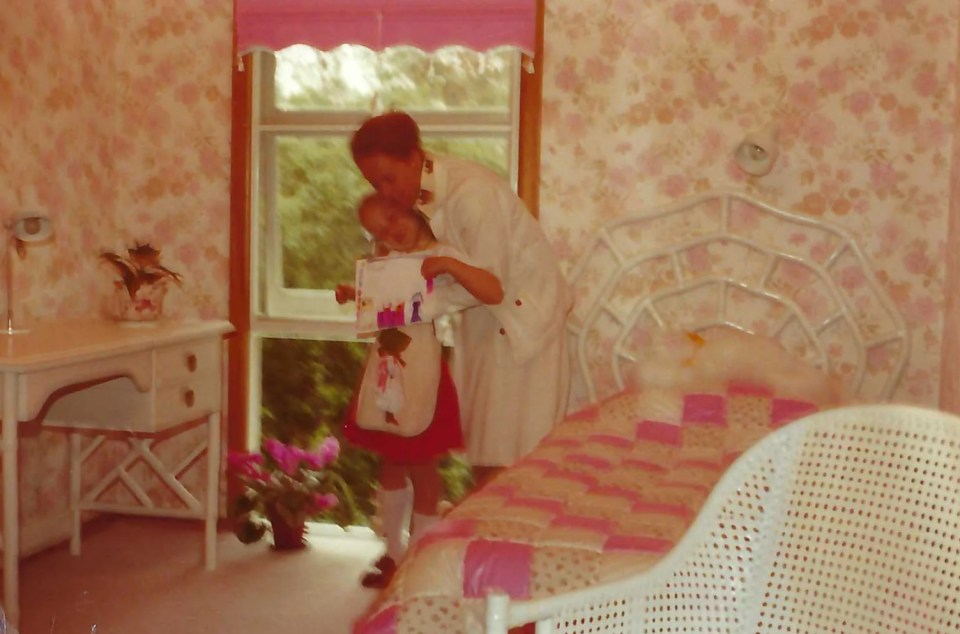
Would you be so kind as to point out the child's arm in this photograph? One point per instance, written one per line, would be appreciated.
(480, 283)
(345, 293)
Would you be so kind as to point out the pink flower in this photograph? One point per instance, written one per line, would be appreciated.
(323, 501)
(683, 12)
(287, 457)
(860, 102)
(675, 185)
(925, 82)
(883, 177)
(246, 465)
(567, 77)
(804, 95)
(598, 69)
(922, 310)
(325, 454)
(915, 260)
(819, 131)
(851, 278)
(752, 43)
(796, 274)
(932, 133)
(575, 124)
(832, 78)
(706, 86)
(698, 258)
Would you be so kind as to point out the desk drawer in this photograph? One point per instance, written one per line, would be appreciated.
(187, 361)
(177, 404)
(137, 366)
(118, 405)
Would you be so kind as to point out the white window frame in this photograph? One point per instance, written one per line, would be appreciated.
(314, 314)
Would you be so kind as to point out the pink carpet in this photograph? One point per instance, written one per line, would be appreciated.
(145, 576)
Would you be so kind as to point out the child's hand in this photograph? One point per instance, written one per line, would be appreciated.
(435, 265)
(345, 293)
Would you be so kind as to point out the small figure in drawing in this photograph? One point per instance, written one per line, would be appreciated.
(390, 346)
(415, 303)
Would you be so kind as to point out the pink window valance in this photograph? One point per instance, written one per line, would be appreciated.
(376, 24)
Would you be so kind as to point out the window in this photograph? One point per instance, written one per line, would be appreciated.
(305, 238)
(309, 102)
(304, 104)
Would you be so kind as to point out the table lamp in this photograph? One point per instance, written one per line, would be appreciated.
(25, 228)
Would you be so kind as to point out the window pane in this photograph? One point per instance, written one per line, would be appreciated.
(306, 387)
(318, 191)
(494, 153)
(354, 77)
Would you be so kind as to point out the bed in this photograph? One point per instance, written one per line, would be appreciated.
(699, 327)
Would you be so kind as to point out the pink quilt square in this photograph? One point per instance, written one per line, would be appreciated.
(784, 410)
(574, 476)
(705, 409)
(674, 510)
(447, 530)
(614, 491)
(611, 440)
(656, 431)
(597, 524)
(543, 504)
(644, 465)
(489, 565)
(591, 461)
(560, 441)
(588, 413)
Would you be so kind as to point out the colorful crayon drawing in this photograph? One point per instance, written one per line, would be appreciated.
(390, 292)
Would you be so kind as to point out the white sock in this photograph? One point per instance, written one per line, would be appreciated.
(421, 523)
(395, 518)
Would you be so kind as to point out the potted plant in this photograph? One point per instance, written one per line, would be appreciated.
(283, 487)
(142, 284)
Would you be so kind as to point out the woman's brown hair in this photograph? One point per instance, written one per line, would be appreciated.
(395, 134)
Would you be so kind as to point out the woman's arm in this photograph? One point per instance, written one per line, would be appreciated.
(480, 283)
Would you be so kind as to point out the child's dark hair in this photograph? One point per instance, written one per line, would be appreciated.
(395, 134)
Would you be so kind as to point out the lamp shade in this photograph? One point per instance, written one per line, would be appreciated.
(31, 227)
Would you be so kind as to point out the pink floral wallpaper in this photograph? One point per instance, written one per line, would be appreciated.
(645, 100)
(116, 122)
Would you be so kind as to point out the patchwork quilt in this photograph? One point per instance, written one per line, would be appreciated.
(603, 497)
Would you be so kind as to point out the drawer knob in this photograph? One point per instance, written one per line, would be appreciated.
(189, 397)
(192, 362)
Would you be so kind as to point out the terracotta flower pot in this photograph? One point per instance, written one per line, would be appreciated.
(285, 536)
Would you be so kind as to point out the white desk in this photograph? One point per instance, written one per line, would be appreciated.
(96, 377)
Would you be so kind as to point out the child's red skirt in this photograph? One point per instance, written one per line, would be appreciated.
(442, 436)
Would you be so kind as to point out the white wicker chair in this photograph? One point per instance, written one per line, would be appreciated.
(847, 521)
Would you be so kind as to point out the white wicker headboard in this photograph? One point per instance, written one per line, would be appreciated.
(725, 260)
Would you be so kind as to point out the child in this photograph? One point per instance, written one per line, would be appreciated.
(406, 409)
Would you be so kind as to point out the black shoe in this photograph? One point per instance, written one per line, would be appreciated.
(385, 566)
